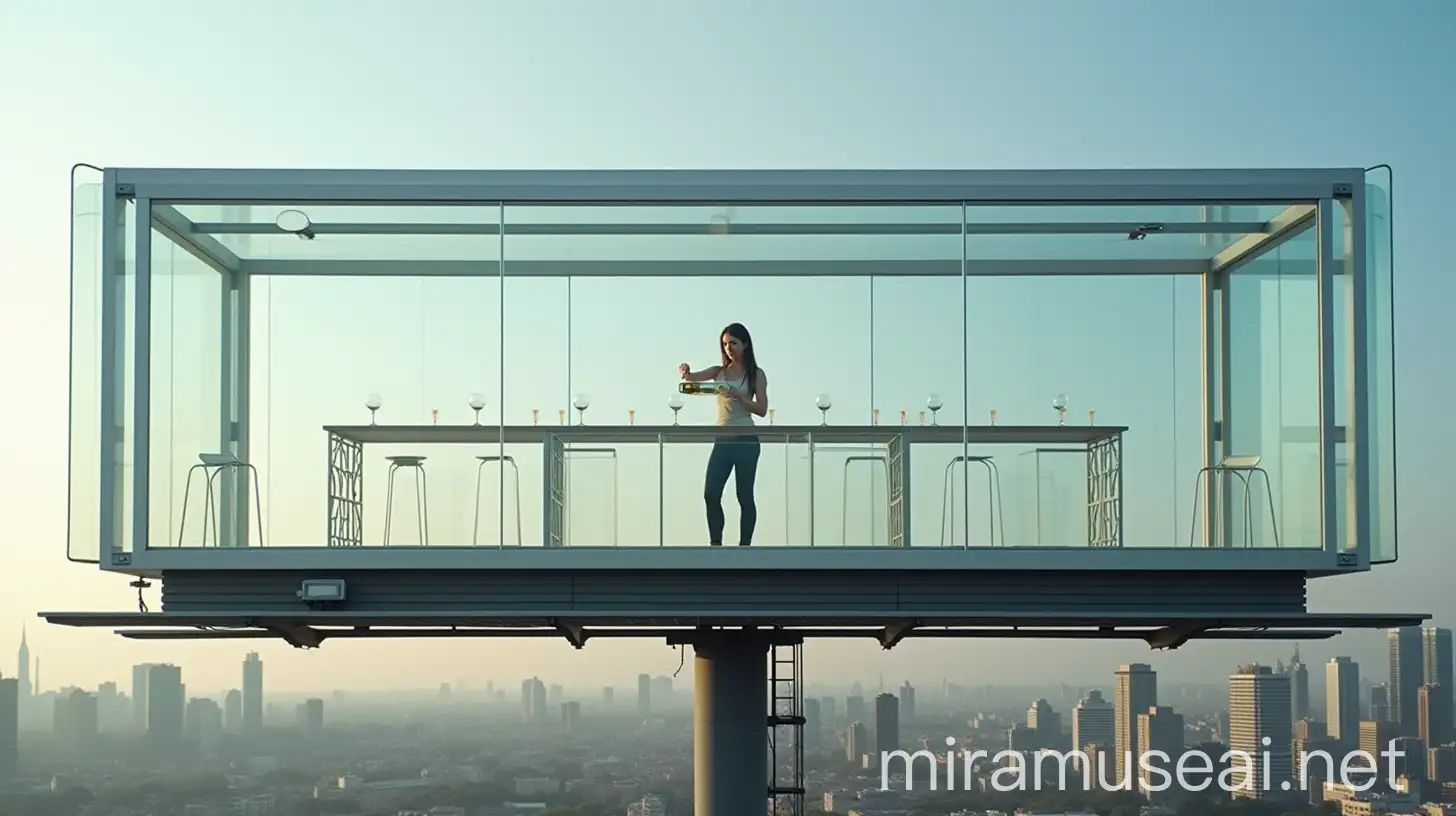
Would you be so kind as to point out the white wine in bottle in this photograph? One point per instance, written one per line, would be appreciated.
(701, 388)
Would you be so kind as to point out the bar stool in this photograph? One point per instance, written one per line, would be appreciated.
(417, 464)
(211, 464)
(479, 476)
(1242, 468)
(993, 500)
(844, 500)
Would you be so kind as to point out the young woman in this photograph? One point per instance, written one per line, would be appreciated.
(744, 396)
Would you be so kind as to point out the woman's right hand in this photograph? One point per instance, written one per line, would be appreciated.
(683, 371)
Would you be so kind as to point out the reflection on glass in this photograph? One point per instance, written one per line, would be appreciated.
(477, 402)
(373, 403)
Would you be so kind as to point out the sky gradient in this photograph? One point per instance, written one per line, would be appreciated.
(751, 85)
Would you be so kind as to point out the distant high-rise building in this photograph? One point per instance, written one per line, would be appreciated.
(608, 696)
(1342, 699)
(1298, 685)
(854, 708)
(1433, 714)
(887, 723)
(1259, 711)
(313, 718)
(1092, 722)
(644, 694)
(533, 700)
(1379, 703)
(165, 706)
(1407, 672)
(1160, 743)
(9, 727)
(1438, 671)
(252, 694)
(232, 712)
(1047, 723)
(22, 666)
(139, 675)
(571, 715)
(856, 741)
(202, 722)
(813, 723)
(1136, 692)
(77, 718)
(1376, 738)
(907, 702)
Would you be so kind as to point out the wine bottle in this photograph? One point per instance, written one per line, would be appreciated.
(700, 388)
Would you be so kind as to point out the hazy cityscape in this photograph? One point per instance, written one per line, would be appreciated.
(149, 745)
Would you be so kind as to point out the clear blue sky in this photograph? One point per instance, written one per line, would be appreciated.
(712, 85)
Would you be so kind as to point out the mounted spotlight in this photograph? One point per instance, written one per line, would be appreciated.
(296, 222)
(321, 593)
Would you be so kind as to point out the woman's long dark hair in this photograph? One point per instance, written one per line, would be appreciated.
(750, 360)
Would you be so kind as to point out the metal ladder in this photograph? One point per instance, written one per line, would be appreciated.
(786, 727)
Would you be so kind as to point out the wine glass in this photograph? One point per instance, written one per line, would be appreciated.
(675, 402)
(372, 402)
(581, 403)
(477, 402)
(770, 416)
(1060, 403)
(934, 403)
(824, 403)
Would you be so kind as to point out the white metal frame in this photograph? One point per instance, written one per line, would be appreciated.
(1311, 193)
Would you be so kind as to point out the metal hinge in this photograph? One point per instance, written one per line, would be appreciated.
(1344, 191)
(127, 190)
(1347, 559)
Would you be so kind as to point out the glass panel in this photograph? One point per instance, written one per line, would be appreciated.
(1123, 348)
(1274, 399)
(424, 341)
(83, 540)
(1380, 345)
(186, 373)
(632, 286)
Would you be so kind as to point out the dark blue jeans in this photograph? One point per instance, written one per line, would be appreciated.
(737, 455)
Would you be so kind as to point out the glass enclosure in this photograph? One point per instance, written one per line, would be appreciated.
(945, 375)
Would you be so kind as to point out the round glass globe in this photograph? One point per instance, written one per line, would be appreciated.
(477, 401)
(674, 402)
(372, 402)
(582, 402)
(1060, 402)
(824, 402)
(934, 402)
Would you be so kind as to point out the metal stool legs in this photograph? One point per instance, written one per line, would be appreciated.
(844, 521)
(479, 474)
(417, 464)
(211, 465)
(1243, 472)
(993, 500)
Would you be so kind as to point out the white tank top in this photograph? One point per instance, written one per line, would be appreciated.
(731, 412)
